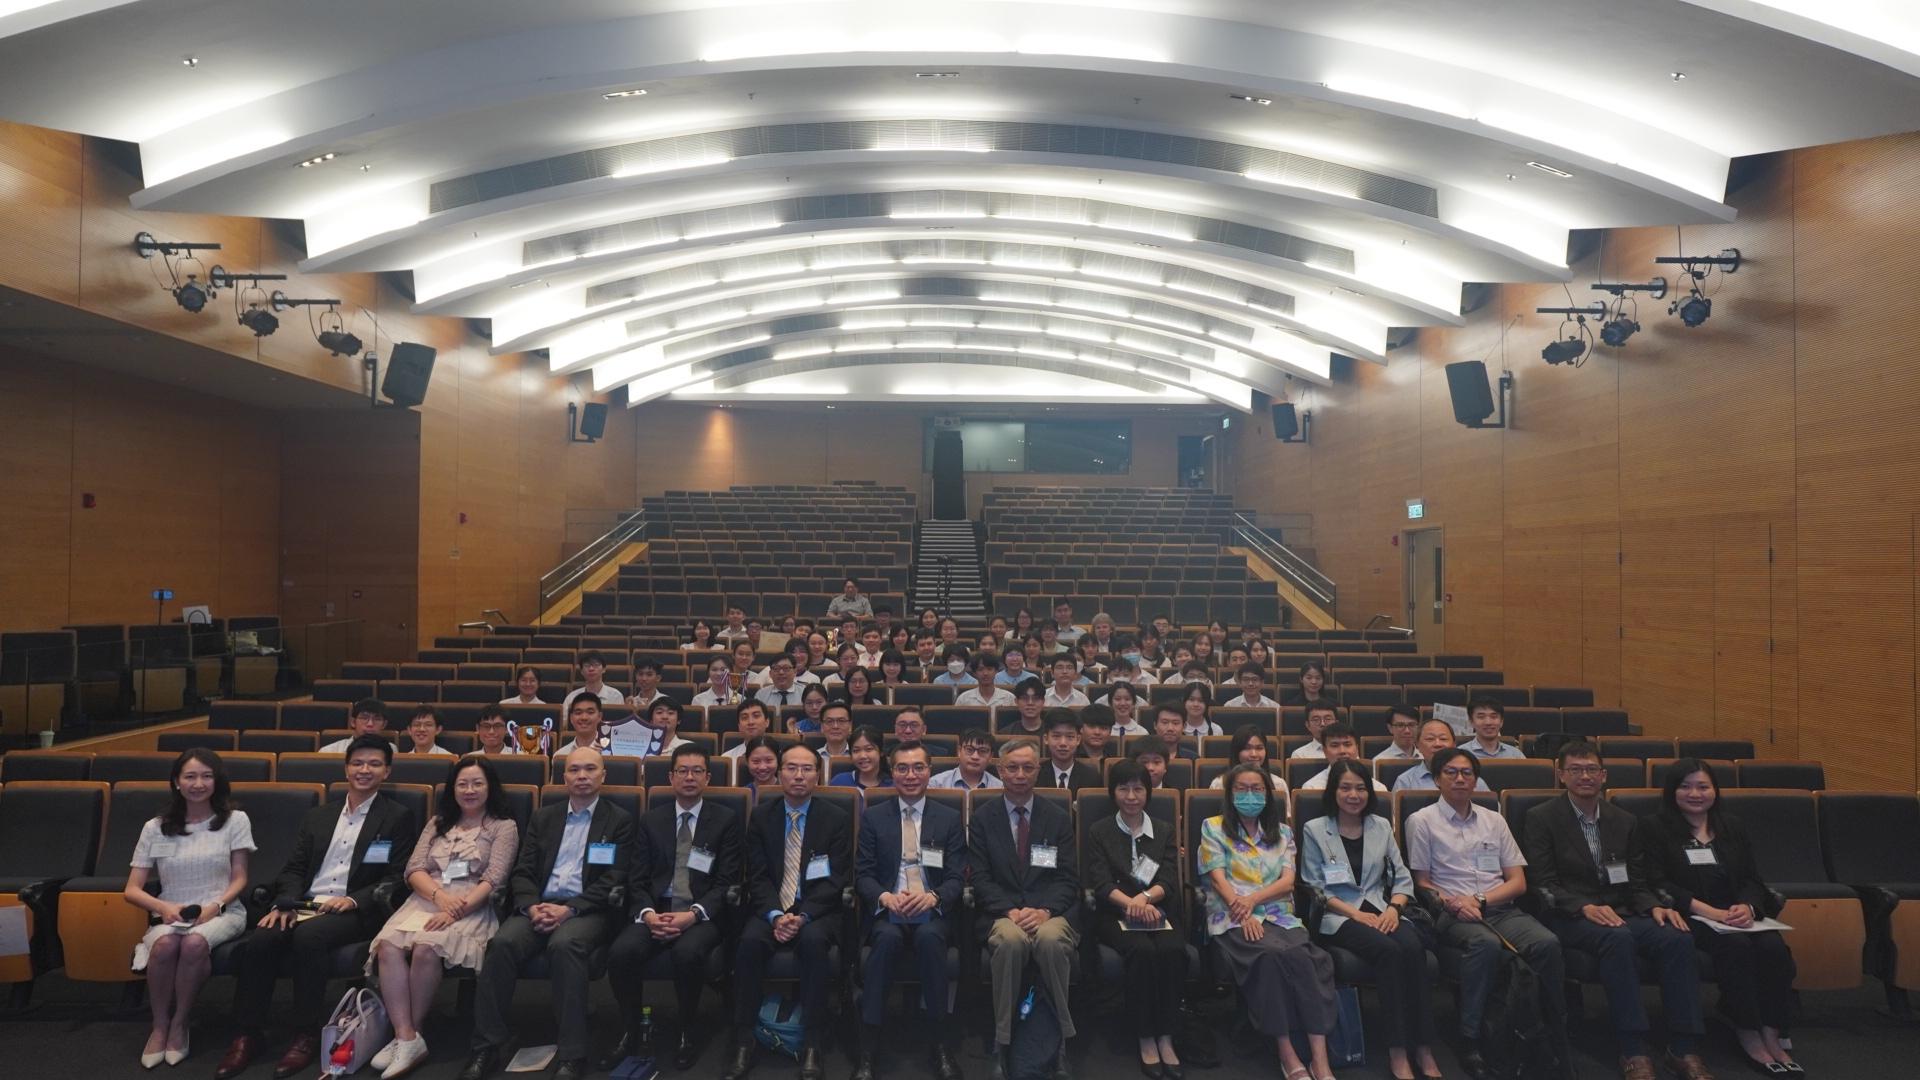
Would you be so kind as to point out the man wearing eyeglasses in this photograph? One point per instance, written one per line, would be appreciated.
(1465, 857)
(913, 856)
(686, 856)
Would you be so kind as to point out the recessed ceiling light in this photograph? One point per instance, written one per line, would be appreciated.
(321, 160)
(1250, 99)
(366, 168)
(936, 74)
(617, 94)
(1678, 76)
(1550, 170)
(1510, 176)
(190, 61)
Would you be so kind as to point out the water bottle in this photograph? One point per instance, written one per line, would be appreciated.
(645, 1049)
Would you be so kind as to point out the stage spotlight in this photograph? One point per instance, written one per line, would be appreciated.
(1564, 351)
(1617, 330)
(1695, 309)
(190, 295)
(259, 320)
(340, 343)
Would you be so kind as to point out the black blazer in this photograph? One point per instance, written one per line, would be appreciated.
(1666, 840)
(829, 832)
(1082, 775)
(1000, 882)
(656, 839)
(387, 820)
(1110, 863)
(540, 844)
(878, 863)
(1559, 861)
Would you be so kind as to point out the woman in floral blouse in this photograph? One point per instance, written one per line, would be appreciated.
(1247, 857)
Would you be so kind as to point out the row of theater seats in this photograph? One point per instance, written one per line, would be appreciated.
(307, 766)
(1842, 860)
(49, 677)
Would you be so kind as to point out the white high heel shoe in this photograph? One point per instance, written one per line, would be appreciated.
(175, 1057)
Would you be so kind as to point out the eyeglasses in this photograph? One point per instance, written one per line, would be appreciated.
(690, 770)
(913, 768)
(1585, 770)
(1457, 773)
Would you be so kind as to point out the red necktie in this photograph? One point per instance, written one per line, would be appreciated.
(1022, 836)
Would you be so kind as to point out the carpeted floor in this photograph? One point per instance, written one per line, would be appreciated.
(77, 1029)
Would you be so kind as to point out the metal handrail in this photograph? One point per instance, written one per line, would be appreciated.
(1294, 568)
(576, 567)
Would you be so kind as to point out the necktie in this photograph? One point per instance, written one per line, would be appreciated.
(790, 876)
(783, 697)
(1022, 836)
(1060, 777)
(910, 851)
(682, 877)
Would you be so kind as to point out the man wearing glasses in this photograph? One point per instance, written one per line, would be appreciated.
(799, 859)
(913, 856)
(1464, 856)
(686, 855)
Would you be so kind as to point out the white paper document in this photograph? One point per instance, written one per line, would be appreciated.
(1758, 925)
(532, 1059)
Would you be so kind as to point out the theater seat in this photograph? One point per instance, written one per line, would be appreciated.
(1828, 920)
(1803, 775)
(21, 765)
(49, 834)
(97, 927)
(1870, 843)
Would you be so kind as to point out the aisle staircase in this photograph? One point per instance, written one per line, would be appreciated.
(947, 556)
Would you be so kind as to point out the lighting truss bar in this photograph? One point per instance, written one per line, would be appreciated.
(1593, 311)
(1655, 289)
(1728, 260)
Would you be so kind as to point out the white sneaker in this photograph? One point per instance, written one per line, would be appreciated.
(385, 1057)
(406, 1056)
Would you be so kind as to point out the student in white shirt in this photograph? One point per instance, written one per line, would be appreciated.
(703, 639)
(1403, 723)
(1188, 670)
(743, 673)
(1064, 630)
(1341, 744)
(1487, 716)
(836, 725)
(752, 722)
(986, 689)
(367, 717)
(1130, 667)
(1196, 705)
(720, 689)
(646, 686)
(1013, 661)
(593, 668)
(1062, 695)
(736, 628)
(423, 733)
(1124, 700)
(1253, 680)
(782, 688)
(1249, 747)
(1320, 716)
(527, 682)
(490, 734)
(976, 750)
(584, 718)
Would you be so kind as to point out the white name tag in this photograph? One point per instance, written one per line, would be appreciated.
(1045, 856)
(1702, 856)
(624, 746)
(599, 854)
(1487, 861)
(700, 859)
(1616, 873)
(819, 868)
(933, 858)
(1144, 869)
(379, 852)
(455, 870)
(1338, 873)
(163, 849)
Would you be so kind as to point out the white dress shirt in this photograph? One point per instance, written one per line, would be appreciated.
(953, 779)
(337, 863)
(692, 827)
(972, 697)
(1054, 700)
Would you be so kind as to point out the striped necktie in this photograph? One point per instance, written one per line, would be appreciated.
(790, 876)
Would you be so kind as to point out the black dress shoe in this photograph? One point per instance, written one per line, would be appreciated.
(811, 1067)
(944, 1067)
(621, 1051)
(1172, 1072)
(1000, 1063)
(742, 1062)
(571, 1069)
(686, 1053)
(863, 1069)
(1150, 1070)
(1061, 1071)
(481, 1065)
(1473, 1064)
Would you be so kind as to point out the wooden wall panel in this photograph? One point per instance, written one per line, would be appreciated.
(1742, 621)
(36, 487)
(1600, 625)
(1857, 647)
(40, 199)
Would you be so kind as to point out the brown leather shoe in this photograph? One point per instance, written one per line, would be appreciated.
(1688, 1067)
(305, 1048)
(1637, 1068)
(240, 1054)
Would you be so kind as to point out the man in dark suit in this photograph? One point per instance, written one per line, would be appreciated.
(571, 857)
(1025, 882)
(1585, 856)
(1064, 767)
(799, 861)
(347, 848)
(912, 861)
(686, 857)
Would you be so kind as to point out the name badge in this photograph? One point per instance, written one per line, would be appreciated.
(1702, 856)
(1487, 861)
(932, 859)
(599, 854)
(1339, 873)
(379, 852)
(624, 746)
(1045, 856)
(1616, 873)
(1144, 869)
(700, 859)
(162, 849)
(454, 871)
(818, 868)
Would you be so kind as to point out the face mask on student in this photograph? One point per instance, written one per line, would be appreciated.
(1249, 803)
(1132, 657)
(956, 667)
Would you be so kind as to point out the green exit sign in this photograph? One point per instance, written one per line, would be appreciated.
(1416, 509)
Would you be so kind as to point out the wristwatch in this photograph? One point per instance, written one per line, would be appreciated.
(1480, 898)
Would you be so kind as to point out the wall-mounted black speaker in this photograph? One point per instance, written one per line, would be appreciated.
(1472, 398)
(408, 370)
(1286, 422)
(593, 419)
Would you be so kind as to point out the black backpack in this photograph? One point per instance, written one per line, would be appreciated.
(1521, 1041)
(1034, 1053)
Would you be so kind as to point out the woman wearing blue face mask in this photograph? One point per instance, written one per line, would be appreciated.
(1247, 858)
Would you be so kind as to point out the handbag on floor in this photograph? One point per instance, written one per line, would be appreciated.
(779, 1026)
(354, 1033)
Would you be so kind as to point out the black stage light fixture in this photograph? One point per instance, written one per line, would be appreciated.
(1571, 348)
(1564, 350)
(178, 256)
(1697, 306)
(259, 320)
(339, 342)
(1617, 330)
(190, 295)
(1695, 309)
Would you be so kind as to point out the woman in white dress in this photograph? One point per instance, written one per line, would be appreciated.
(199, 849)
(463, 858)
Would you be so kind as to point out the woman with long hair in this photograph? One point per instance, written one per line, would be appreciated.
(859, 688)
(526, 684)
(869, 761)
(1311, 687)
(1196, 707)
(1249, 747)
(463, 859)
(1134, 880)
(760, 757)
(198, 846)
